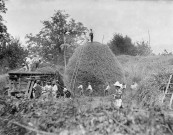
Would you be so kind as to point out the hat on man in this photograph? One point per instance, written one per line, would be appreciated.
(118, 84)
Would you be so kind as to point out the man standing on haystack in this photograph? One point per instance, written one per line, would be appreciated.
(91, 35)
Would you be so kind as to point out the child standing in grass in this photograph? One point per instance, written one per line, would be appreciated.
(47, 90)
(106, 91)
(90, 89)
(81, 90)
(118, 95)
(54, 89)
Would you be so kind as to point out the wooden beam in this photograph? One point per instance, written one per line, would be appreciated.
(27, 88)
(30, 89)
(19, 85)
(10, 87)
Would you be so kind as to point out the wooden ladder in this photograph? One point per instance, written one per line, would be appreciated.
(168, 93)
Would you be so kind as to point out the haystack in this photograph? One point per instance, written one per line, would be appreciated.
(94, 63)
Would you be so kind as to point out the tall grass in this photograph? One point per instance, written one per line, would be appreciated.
(150, 73)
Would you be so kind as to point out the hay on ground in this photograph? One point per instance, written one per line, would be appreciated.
(97, 64)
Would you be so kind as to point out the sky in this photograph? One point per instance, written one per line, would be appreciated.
(134, 18)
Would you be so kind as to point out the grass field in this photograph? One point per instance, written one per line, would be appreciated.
(97, 115)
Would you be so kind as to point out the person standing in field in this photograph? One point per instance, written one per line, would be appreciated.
(81, 90)
(67, 93)
(64, 91)
(118, 95)
(90, 89)
(37, 89)
(29, 63)
(47, 90)
(24, 67)
(54, 89)
(91, 35)
(106, 91)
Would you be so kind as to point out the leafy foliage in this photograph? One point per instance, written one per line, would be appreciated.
(53, 35)
(123, 45)
(12, 54)
(3, 28)
(79, 117)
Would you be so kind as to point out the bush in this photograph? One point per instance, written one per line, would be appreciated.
(97, 64)
(122, 45)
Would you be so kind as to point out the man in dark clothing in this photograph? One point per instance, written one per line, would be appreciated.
(91, 35)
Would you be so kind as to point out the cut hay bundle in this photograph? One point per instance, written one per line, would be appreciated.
(151, 90)
(94, 63)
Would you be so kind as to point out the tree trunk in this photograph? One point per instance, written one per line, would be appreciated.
(65, 56)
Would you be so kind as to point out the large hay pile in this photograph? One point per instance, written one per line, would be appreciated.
(94, 63)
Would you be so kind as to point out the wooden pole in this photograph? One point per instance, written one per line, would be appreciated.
(149, 37)
(102, 39)
(167, 88)
(30, 89)
(10, 88)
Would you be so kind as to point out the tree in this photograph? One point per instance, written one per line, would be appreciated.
(14, 54)
(122, 45)
(3, 28)
(143, 48)
(53, 35)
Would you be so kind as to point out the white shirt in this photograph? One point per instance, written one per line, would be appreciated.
(80, 86)
(134, 86)
(35, 59)
(108, 87)
(89, 87)
(35, 85)
(118, 102)
(48, 88)
(65, 89)
(54, 88)
(28, 60)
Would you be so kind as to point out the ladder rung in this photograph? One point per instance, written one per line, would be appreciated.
(167, 83)
(168, 93)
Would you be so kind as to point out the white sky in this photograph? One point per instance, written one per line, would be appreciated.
(105, 17)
